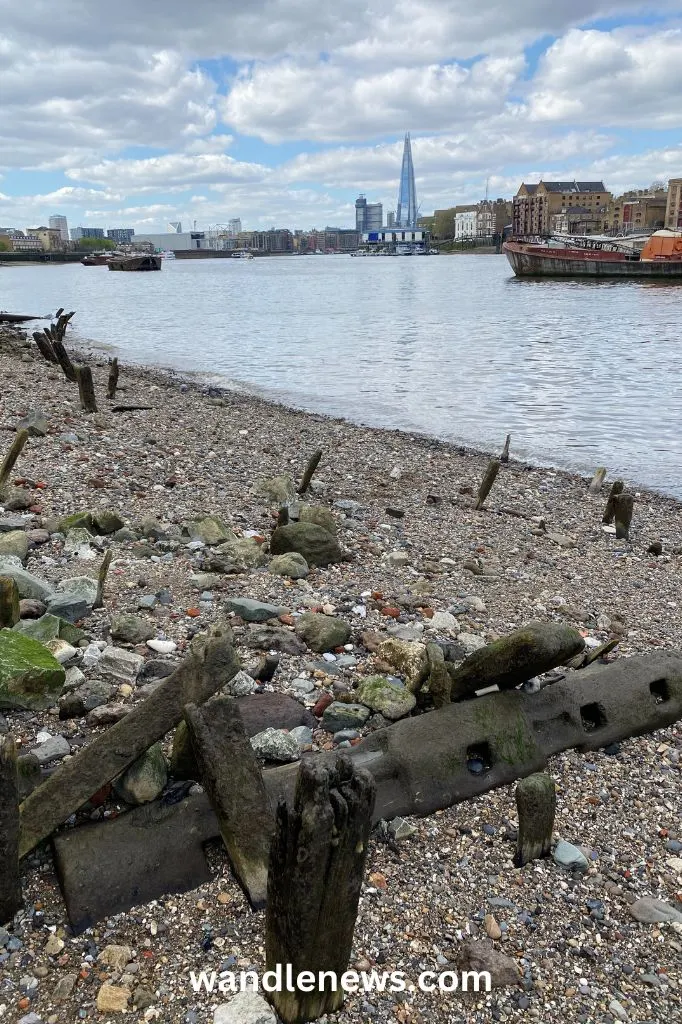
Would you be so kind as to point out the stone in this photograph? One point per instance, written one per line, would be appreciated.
(27, 584)
(30, 608)
(74, 598)
(399, 828)
(14, 544)
(492, 928)
(536, 804)
(408, 659)
(117, 663)
(107, 521)
(245, 1008)
(443, 622)
(318, 515)
(513, 659)
(35, 422)
(112, 998)
(340, 716)
(566, 855)
(143, 998)
(11, 523)
(303, 735)
(65, 987)
(78, 543)
(276, 745)
(274, 638)
(76, 520)
(438, 683)
(290, 564)
(322, 632)
(242, 553)
(210, 530)
(131, 629)
(398, 558)
(145, 779)
(54, 945)
(53, 749)
(652, 911)
(318, 547)
(30, 678)
(43, 629)
(480, 955)
(61, 650)
(470, 642)
(391, 700)
(241, 685)
(162, 646)
(253, 611)
(277, 489)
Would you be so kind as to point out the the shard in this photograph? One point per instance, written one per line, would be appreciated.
(406, 213)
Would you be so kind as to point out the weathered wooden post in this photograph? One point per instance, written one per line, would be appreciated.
(9, 603)
(64, 361)
(313, 463)
(623, 505)
(10, 884)
(504, 457)
(536, 804)
(112, 383)
(44, 346)
(617, 487)
(317, 863)
(102, 578)
(597, 481)
(15, 450)
(487, 482)
(86, 388)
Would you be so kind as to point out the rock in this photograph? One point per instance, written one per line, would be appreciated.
(210, 530)
(53, 749)
(76, 521)
(106, 714)
(245, 1008)
(398, 558)
(322, 632)
(381, 695)
(290, 564)
(14, 544)
(131, 629)
(34, 422)
(61, 650)
(438, 683)
(617, 1010)
(29, 608)
(566, 855)
(275, 745)
(253, 611)
(240, 685)
(116, 663)
(37, 536)
(303, 735)
(54, 945)
(405, 631)
(510, 661)
(242, 553)
(652, 911)
(145, 779)
(143, 998)
(340, 716)
(481, 955)
(64, 988)
(277, 489)
(443, 622)
(28, 585)
(408, 659)
(470, 642)
(320, 516)
(43, 629)
(107, 521)
(9, 524)
(492, 928)
(30, 678)
(162, 646)
(147, 602)
(74, 598)
(274, 638)
(400, 828)
(112, 998)
(318, 547)
(78, 543)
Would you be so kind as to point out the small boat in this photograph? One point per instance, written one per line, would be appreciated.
(360, 252)
(242, 254)
(168, 255)
(99, 259)
(598, 258)
(142, 262)
(18, 318)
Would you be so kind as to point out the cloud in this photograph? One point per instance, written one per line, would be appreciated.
(172, 170)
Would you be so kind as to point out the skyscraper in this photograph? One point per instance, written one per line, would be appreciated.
(58, 222)
(406, 213)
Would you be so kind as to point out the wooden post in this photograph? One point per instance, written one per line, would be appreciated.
(617, 487)
(504, 457)
(86, 388)
(65, 361)
(597, 481)
(44, 347)
(487, 482)
(112, 383)
(622, 509)
(101, 579)
(317, 863)
(9, 603)
(536, 805)
(313, 463)
(10, 885)
(15, 450)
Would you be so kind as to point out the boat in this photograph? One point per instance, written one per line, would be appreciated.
(242, 254)
(99, 259)
(168, 255)
(360, 252)
(598, 258)
(18, 318)
(142, 262)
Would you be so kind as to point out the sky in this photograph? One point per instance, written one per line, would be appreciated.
(281, 111)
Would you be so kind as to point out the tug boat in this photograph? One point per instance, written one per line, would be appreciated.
(597, 258)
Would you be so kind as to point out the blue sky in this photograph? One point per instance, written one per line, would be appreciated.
(280, 112)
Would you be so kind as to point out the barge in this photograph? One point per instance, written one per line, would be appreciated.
(594, 258)
(142, 262)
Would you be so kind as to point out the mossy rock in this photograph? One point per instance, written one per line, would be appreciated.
(389, 699)
(210, 530)
(322, 632)
(320, 516)
(107, 521)
(50, 627)
(277, 489)
(317, 545)
(78, 520)
(30, 678)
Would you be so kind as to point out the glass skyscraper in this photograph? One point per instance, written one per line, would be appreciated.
(406, 213)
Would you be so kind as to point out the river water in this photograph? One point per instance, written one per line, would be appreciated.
(580, 373)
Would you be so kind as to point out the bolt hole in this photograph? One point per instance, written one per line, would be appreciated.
(593, 717)
(659, 689)
(479, 758)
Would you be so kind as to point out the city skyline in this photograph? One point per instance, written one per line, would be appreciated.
(281, 114)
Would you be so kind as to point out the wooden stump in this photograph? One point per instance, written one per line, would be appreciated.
(623, 505)
(504, 457)
(64, 361)
(536, 804)
(597, 481)
(616, 488)
(15, 450)
(112, 383)
(102, 578)
(44, 347)
(317, 863)
(86, 388)
(9, 603)
(10, 885)
(232, 778)
(487, 482)
(313, 463)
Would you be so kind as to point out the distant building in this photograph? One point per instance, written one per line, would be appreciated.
(78, 233)
(174, 240)
(59, 223)
(465, 222)
(234, 226)
(123, 236)
(329, 240)
(50, 238)
(175, 226)
(492, 217)
(390, 219)
(535, 205)
(406, 211)
(368, 216)
(274, 240)
(637, 212)
(673, 211)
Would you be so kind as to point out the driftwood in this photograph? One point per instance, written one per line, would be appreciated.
(112, 382)
(130, 408)
(10, 885)
(536, 805)
(101, 579)
(487, 482)
(15, 450)
(313, 463)
(86, 388)
(597, 481)
(209, 667)
(316, 867)
(617, 487)
(623, 505)
(9, 603)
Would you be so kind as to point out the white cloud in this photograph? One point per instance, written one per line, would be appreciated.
(165, 172)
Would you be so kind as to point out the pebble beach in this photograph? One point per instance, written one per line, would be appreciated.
(419, 564)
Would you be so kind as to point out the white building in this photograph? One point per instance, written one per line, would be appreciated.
(234, 226)
(58, 222)
(465, 223)
(175, 240)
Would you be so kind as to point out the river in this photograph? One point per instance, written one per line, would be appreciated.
(580, 373)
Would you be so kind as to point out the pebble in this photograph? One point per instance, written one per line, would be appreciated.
(162, 646)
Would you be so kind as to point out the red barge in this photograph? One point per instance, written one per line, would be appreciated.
(660, 259)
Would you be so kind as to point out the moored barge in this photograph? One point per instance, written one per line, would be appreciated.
(142, 262)
(660, 259)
